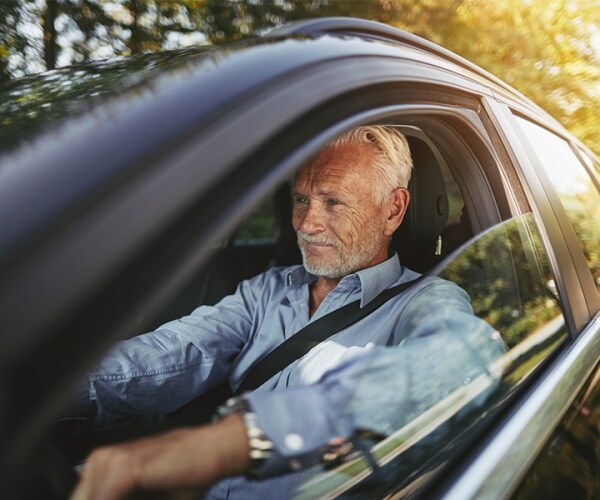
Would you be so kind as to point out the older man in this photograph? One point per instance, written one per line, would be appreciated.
(348, 201)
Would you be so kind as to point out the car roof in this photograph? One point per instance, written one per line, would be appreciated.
(375, 31)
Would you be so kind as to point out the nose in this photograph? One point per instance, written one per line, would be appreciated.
(310, 219)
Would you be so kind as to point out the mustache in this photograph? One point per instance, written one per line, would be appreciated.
(319, 240)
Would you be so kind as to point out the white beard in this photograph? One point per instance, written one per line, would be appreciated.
(343, 263)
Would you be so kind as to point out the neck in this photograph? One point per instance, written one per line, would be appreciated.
(319, 290)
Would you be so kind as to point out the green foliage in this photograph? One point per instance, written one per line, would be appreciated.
(548, 49)
(584, 212)
(11, 40)
(260, 227)
(507, 276)
(33, 103)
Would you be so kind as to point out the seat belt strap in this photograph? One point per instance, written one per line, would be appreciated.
(313, 334)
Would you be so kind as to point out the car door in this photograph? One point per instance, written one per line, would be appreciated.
(539, 297)
(158, 178)
(157, 217)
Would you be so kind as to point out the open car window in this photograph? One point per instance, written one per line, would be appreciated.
(506, 274)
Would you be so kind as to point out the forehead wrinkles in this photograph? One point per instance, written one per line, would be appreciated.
(348, 166)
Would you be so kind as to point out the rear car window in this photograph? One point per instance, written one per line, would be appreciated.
(574, 185)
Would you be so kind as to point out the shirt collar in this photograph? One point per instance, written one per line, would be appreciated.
(373, 280)
(376, 279)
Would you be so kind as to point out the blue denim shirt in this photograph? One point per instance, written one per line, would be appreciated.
(376, 374)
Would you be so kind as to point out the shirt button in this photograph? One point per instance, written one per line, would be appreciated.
(293, 441)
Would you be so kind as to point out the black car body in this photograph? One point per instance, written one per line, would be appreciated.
(126, 189)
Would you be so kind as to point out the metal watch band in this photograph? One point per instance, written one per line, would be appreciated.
(261, 447)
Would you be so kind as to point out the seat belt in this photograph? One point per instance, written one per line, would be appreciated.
(313, 334)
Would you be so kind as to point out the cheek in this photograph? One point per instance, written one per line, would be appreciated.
(295, 221)
(350, 227)
(298, 214)
(360, 225)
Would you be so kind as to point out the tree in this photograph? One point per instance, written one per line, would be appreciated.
(50, 35)
(11, 40)
(545, 48)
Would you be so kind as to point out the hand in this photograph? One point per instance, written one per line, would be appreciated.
(186, 459)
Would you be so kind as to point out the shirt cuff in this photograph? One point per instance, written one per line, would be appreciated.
(301, 421)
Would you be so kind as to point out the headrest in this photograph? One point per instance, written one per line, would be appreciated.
(427, 212)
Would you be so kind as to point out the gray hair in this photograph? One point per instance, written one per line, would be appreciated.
(394, 161)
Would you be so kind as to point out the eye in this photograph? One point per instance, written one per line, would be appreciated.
(301, 200)
(332, 201)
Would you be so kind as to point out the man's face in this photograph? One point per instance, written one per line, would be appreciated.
(341, 228)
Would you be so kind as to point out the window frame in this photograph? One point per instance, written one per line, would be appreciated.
(573, 278)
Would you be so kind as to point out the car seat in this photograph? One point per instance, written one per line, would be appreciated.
(418, 240)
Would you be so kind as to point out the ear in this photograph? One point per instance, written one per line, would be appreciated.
(397, 206)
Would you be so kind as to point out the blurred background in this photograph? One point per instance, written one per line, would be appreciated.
(547, 49)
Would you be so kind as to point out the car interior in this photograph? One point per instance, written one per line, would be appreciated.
(266, 238)
(435, 226)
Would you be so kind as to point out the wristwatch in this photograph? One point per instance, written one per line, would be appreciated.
(261, 447)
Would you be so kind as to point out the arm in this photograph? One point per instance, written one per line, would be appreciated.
(380, 390)
(160, 371)
(444, 347)
(179, 460)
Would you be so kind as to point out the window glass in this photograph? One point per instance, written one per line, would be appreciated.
(260, 227)
(507, 276)
(577, 192)
(593, 166)
(505, 273)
